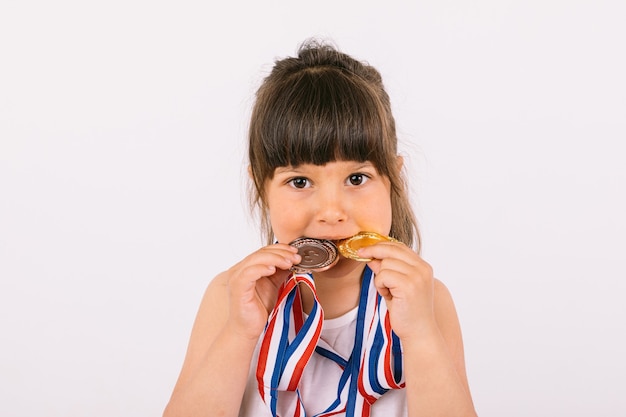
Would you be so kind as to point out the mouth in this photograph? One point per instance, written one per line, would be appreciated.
(321, 254)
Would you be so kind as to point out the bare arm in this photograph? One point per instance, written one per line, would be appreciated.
(230, 319)
(436, 380)
(216, 366)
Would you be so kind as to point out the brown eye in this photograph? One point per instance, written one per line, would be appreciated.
(357, 179)
(299, 182)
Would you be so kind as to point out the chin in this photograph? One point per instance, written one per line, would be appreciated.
(342, 269)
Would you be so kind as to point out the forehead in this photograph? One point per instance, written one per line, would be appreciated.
(320, 118)
(344, 165)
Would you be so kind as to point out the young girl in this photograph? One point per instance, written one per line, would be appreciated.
(371, 333)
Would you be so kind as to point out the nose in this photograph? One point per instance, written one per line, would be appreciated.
(330, 207)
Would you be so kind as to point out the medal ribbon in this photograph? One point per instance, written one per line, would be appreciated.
(289, 341)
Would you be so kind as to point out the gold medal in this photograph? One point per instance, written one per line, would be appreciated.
(350, 246)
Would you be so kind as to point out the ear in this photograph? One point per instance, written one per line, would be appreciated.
(399, 162)
(250, 172)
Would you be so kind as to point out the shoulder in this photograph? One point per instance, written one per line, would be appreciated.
(443, 298)
(445, 311)
(448, 323)
(210, 320)
(213, 309)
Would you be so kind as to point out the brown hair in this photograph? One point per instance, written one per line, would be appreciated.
(324, 106)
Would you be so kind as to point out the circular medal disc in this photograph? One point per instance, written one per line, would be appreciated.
(349, 247)
(317, 254)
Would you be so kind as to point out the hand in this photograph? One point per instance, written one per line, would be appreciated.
(406, 282)
(253, 287)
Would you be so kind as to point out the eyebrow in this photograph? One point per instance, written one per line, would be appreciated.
(281, 170)
(366, 164)
(296, 169)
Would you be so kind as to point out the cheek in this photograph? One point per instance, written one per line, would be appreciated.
(383, 212)
(375, 214)
(385, 216)
(284, 224)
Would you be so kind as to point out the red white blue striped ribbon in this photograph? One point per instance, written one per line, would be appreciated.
(289, 341)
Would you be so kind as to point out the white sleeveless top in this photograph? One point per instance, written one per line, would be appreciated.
(320, 379)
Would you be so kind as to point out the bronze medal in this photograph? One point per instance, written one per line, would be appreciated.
(317, 254)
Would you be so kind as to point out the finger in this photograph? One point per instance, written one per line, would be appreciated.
(276, 257)
(375, 265)
(280, 246)
(268, 289)
(403, 283)
(390, 280)
(265, 262)
(384, 292)
(278, 278)
(384, 250)
(288, 252)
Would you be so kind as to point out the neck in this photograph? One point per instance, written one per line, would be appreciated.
(337, 289)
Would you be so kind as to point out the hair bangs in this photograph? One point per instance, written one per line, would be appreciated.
(320, 117)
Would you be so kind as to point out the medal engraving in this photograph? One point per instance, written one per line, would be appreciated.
(317, 254)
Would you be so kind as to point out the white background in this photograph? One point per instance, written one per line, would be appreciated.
(122, 141)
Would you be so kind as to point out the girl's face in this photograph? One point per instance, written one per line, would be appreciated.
(332, 201)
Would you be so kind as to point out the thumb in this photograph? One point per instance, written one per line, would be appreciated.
(374, 265)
